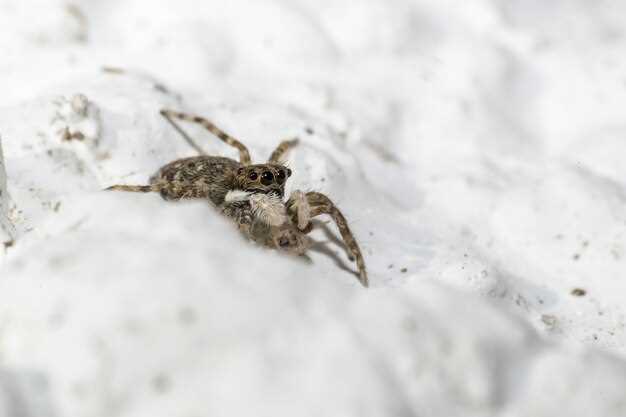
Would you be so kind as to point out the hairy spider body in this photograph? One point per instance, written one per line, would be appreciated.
(196, 177)
(249, 194)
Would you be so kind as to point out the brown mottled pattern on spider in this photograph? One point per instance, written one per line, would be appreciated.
(249, 194)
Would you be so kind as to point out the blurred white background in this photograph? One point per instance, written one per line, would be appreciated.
(476, 148)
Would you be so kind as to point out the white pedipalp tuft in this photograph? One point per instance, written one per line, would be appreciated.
(268, 208)
(237, 195)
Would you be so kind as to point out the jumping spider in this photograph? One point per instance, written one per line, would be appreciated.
(250, 194)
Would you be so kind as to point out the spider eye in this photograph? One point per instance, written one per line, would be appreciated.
(267, 178)
(253, 176)
(288, 172)
(281, 176)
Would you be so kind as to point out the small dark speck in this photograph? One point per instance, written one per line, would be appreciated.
(465, 255)
(323, 179)
(161, 383)
(57, 206)
(576, 256)
(8, 244)
(595, 337)
(187, 315)
(309, 130)
(578, 292)
(409, 324)
(371, 233)
(559, 237)
(161, 88)
(585, 243)
(112, 70)
(390, 266)
(404, 270)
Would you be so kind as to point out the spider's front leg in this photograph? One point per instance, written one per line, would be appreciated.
(300, 210)
(303, 207)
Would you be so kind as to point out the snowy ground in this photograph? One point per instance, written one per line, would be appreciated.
(477, 149)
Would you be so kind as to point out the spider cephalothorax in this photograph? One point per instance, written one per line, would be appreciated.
(262, 178)
(251, 195)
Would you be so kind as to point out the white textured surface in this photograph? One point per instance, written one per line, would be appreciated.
(6, 228)
(476, 147)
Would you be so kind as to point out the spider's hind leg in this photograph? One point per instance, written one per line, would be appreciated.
(170, 115)
(133, 188)
(167, 115)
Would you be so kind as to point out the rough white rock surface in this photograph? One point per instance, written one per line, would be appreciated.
(6, 227)
(477, 149)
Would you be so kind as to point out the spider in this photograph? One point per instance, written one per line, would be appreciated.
(252, 195)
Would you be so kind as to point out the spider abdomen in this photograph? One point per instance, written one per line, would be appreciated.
(196, 177)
